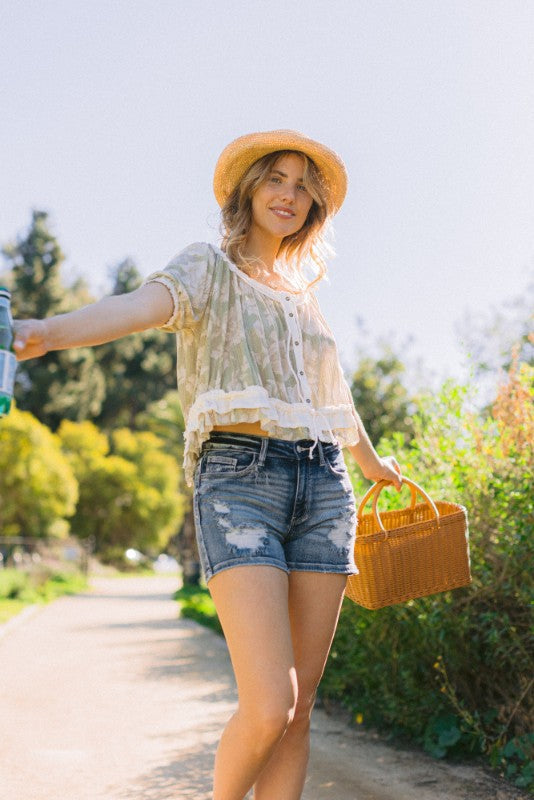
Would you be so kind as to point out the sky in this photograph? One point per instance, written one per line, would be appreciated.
(114, 114)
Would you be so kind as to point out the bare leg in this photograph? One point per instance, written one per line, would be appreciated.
(252, 604)
(314, 605)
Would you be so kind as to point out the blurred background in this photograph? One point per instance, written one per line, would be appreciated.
(114, 115)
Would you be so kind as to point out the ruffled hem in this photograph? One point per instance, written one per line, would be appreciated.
(282, 420)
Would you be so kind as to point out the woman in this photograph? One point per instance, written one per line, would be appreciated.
(267, 411)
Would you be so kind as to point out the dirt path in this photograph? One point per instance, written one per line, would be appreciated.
(109, 696)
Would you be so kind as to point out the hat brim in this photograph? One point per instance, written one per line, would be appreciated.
(240, 154)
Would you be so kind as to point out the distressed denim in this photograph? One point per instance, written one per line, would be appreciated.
(261, 500)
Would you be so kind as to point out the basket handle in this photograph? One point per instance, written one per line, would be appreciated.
(370, 491)
(375, 492)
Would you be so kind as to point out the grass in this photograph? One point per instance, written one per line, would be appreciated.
(196, 603)
(19, 589)
(10, 608)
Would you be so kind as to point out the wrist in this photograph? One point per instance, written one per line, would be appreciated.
(47, 334)
(365, 456)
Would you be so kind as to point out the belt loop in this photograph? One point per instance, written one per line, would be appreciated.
(321, 453)
(263, 451)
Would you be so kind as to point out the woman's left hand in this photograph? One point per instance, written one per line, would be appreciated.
(387, 469)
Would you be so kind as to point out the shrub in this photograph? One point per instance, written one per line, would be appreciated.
(37, 486)
(129, 496)
(38, 585)
(13, 584)
(196, 603)
(454, 671)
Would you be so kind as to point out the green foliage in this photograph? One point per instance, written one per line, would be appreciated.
(125, 277)
(128, 488)
(123, 490)
(13, 583)
(19, 588)
(378, 383)
(165, 418)
(110, 384)
(139, 369)
(63, 384)
(454, 671)
(442, 734)
(10, 608)
(196, 603)
(115, 556)
(60, 583)
(35, 260)
(516, 759)
(160, 473)
(37, 486)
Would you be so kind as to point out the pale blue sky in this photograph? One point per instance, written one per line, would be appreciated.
(114, 113)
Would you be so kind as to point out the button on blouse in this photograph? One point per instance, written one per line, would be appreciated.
(250, 353)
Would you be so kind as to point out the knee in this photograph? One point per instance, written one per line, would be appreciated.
(303, 710)
(268, 721)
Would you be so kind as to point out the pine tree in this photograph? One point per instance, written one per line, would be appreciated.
(65, 384)
(139, 369)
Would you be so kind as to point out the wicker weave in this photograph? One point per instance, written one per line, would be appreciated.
(408, 553)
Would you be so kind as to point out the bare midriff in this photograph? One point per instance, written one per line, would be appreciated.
(253, 428)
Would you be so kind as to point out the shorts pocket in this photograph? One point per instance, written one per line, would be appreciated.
(335, 462)
(217, 463)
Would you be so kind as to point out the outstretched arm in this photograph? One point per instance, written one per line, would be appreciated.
(150, 306)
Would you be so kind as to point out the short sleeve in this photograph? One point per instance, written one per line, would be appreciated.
(188, 277)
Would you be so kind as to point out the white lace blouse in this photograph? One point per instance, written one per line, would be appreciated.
(249, 353)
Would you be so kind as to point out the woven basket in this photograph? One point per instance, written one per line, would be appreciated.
(408, 553)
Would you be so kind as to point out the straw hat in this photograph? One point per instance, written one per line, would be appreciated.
(240, 154)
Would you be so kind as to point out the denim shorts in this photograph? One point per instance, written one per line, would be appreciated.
(261, 500)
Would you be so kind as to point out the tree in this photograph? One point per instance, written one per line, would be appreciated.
(139, 369)
(378, 385)
(125, 277)
(63, 384)
(35, 262)
(165, 418)
(128, 491)
(160, 473)
(379, 393)
(38, 489)
(110, 384)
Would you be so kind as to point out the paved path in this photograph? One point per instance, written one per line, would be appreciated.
(109, 696)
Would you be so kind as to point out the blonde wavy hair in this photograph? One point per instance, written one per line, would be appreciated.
(308, 247)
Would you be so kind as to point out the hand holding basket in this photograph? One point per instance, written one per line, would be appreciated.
(410, 552)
